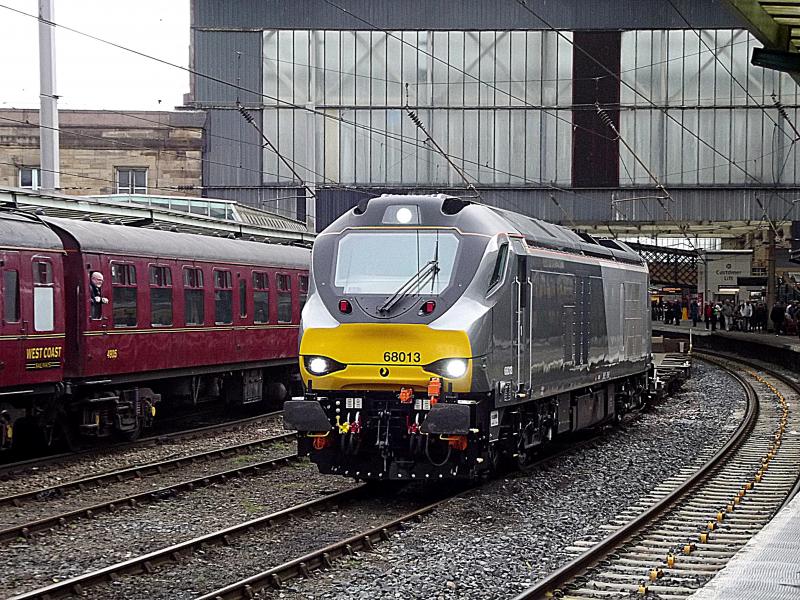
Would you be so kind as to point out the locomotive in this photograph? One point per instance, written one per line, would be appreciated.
(443, 337)
(179, 318)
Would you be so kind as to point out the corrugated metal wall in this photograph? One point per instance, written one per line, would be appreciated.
(459, 14)
(276, 52)
(232, 57)
(591, 206)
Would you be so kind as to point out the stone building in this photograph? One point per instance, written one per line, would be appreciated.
(108, 152)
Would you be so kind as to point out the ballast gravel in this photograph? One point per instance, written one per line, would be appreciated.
(497, 540)
(109, 538)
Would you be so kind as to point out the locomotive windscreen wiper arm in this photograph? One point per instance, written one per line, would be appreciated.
(426, 273)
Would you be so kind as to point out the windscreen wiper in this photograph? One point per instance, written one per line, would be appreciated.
(427, 273)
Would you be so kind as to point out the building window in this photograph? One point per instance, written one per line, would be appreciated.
(160, 296)
(193, 297)
(11, 296)
(260, 298)
(223, 298)
(43, 299)
(29, 178)
(131, 181)
(284, 285)
(123, 282)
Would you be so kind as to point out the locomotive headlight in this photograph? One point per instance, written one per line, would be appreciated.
(322, 365)
(452, 368)
(455, 367)
(318, 365)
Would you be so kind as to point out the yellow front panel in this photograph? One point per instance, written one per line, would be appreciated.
(384, 356)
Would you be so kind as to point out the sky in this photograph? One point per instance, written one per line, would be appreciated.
(89, 73)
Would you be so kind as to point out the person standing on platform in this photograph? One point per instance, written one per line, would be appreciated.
(777, 315)
(727, 314)
(694, 312)
(707, 314)
(747, 315)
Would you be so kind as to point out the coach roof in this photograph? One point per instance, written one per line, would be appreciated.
(25, 231)
(132, 241)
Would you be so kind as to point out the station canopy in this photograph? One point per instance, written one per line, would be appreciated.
(205, 216)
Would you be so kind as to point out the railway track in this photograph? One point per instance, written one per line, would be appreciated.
(301, 565)
(139, 471)
(689, 532)
(11, 469)
(151, 495)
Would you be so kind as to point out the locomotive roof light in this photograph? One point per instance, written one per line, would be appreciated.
(404, 214)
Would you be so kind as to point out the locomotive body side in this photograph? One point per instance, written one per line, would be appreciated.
(435, 344)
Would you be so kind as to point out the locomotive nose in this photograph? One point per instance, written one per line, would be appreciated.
(384, 356)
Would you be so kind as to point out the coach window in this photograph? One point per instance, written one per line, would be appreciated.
(284, 285)
(243, 297)
(160, 296)
(260, 298)
(43, 303)
(123, 285)
(193, 297)
(11, 296)
(303, 284)
(223, 298)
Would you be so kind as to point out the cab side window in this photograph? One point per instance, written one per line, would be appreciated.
(123, 284)
(499, 266)
(43, 296)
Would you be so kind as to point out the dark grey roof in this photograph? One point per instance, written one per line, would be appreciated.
(121, 239)
(17, 231)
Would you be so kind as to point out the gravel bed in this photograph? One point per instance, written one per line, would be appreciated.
(87, 545)
(81, 466)
(496, 541)
(77, 499)
(221, 565)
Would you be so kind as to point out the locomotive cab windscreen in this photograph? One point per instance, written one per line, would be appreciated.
(385, 270)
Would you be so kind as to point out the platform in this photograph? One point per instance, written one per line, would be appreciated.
(767, 567)
(781, 350)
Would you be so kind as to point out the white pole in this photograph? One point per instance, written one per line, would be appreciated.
(48, 113)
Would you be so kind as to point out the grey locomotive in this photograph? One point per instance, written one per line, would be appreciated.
(442, 336)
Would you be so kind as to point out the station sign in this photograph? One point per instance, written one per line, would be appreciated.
(722, 269)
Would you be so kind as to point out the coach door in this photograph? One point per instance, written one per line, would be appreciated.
(523, 294)
(14, 321)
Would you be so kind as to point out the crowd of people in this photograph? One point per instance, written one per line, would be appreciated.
(783, 319)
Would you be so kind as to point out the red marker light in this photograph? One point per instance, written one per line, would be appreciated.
(428, 307)
(345, 307)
